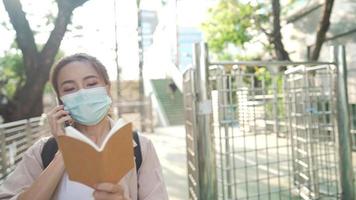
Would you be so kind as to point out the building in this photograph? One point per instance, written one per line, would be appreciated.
(149, 23)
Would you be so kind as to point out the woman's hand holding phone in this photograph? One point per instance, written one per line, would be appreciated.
(57, 118)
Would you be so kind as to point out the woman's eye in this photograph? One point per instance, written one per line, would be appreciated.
(68, 89)
(92, 84)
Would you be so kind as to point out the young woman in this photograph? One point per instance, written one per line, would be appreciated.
(82, 84)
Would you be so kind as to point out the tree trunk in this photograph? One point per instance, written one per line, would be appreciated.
(323, 29)
(276, 36)
(27, 102)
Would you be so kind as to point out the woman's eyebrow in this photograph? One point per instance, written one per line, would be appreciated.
(90, 76)
(67, 81)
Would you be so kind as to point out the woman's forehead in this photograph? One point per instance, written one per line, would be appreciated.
(76, 70)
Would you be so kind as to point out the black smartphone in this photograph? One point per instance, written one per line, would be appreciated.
(59, 102)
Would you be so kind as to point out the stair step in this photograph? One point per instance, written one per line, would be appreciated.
(172, 104)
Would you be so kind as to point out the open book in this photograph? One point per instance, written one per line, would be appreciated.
(90, 164)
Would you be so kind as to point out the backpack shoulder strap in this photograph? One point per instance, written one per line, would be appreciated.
(50, 149)
(137, 151)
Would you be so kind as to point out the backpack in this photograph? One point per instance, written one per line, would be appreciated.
(50, 149)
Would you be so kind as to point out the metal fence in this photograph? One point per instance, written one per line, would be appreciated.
(250, 157)
(310, 95)
(256, 133)
(16, 137)
(352, 96)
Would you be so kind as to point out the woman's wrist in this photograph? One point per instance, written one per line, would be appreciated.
(58, 159)
(58, 154)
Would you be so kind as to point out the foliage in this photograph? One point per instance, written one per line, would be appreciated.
(228, 24)
(275, 89)
(12, 72)
(231, 24)
(12, 75)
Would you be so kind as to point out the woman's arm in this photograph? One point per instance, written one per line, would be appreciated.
(26, 173)
(29, 180)
(150, 178)
(45, 185)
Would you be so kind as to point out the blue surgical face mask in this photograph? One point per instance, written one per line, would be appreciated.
(87, 106)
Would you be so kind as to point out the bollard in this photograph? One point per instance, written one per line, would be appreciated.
(343, 125)
(206, 154)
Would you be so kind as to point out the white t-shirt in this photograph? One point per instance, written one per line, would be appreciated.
(68, 189)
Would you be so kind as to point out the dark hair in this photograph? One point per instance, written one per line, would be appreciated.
(81, 57)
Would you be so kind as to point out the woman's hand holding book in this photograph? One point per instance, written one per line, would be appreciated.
(108, 191)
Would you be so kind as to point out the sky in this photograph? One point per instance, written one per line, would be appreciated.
(97, 34)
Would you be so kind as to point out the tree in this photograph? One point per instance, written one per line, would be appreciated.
(323, 29)
(324, 25)
(276, 37)
(27, 98)
(235, 23)
(229, 24)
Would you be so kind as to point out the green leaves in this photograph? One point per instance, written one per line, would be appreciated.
(12, 74)
(228, 23)
(231, 24)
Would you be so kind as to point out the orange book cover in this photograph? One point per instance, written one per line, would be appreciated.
(87, 163)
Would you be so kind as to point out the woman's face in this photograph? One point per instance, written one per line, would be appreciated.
(78, 75)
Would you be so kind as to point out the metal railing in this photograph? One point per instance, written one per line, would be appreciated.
(266, 134)
(310, 106)
(16, 137)
(352, 103)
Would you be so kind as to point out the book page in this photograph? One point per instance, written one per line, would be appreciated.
(74, 133)
(86, 165)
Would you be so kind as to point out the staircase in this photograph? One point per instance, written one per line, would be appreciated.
(171, 103)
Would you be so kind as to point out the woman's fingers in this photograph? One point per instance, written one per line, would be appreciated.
(63, 119)
(55, 109)
(60, 114)
(108, 191)
(55, 113)
(109, 187)
(56, 118)
(101, 195)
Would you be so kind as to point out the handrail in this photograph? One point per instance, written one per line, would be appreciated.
(270, 63)
(161, 114)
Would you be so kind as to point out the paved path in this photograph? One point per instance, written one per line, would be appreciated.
(170, 146)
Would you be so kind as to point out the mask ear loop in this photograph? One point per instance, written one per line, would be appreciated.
(110, 112)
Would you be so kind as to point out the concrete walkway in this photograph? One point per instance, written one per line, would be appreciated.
(170, 146)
